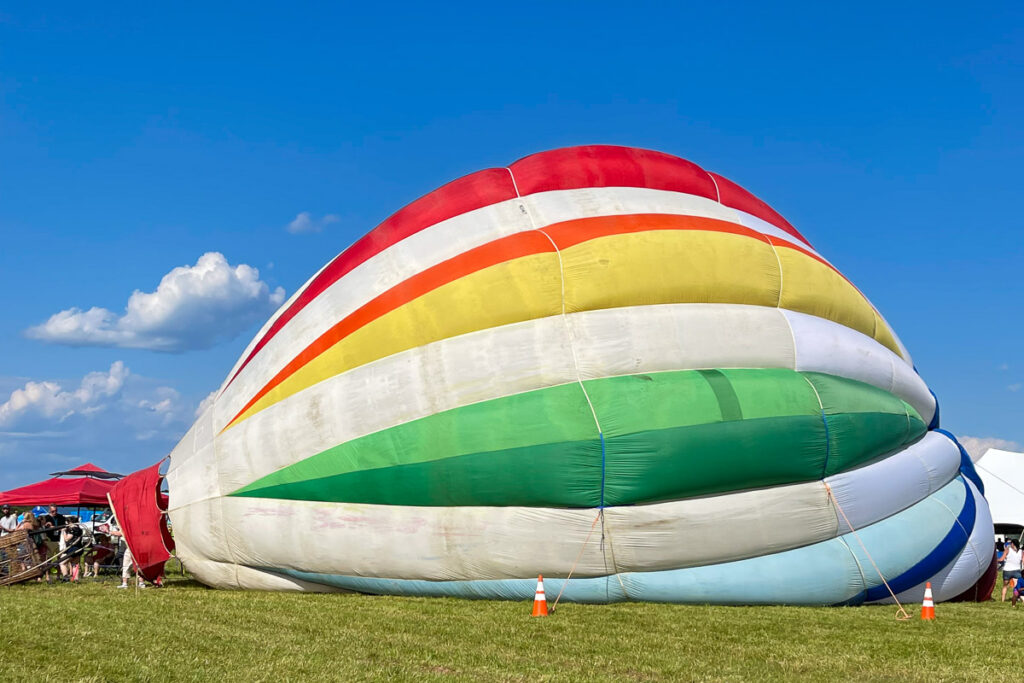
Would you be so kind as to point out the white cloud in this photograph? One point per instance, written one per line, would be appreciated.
(115, 418)
(49, 400)
(977, 445)
(1014, 387)
(304, 223)
(193, 307)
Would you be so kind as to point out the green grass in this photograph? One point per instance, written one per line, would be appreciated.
(186, 632)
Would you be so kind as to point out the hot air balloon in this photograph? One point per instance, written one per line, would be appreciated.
(600, 363)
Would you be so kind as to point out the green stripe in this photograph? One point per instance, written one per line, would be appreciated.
(667, 464)
(668, 435)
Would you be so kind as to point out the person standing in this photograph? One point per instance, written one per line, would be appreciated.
(128, 561)
(36, 536)
(53, 522)
(53, 525)
(74, 545)
(1013, 560)
(8, 521)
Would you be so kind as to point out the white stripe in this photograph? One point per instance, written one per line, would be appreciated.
(896, 482)
(832, 346)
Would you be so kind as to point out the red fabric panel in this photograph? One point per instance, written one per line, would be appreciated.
(981, 591)
(82, 491)
(470, 192)
(610, 166)
(734, 196)
(134, 500)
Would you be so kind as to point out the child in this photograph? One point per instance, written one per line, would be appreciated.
(100, 552)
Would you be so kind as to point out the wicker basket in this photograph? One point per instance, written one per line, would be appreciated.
(19, 560)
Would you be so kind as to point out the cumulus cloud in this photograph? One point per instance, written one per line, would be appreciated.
(977, 445)
(193, 307)
(115, 399)
(115, 418)
(50, 401)
(304, 222)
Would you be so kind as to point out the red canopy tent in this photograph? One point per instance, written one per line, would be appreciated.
(84, 489)
(87, 470)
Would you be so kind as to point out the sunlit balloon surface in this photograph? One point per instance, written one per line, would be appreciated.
(601, 360)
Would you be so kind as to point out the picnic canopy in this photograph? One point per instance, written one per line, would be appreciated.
(88, 470)
(82, 488)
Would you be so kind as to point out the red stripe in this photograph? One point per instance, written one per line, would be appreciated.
(565, 235)
(609, 166)
(735, 197)
(560, 169)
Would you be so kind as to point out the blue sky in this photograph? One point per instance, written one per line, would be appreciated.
(133, 142)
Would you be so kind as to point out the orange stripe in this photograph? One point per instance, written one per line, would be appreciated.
(564, 235)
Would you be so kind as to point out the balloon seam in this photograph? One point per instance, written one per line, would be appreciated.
(778, 303)
(718, 192)
(824, 421)
(856, 560)
(568, 329)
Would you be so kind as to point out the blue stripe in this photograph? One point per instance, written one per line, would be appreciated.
(966, 464)
(944, 553)
(934, 424)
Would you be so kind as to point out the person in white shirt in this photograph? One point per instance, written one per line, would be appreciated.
(126, 563)
(1013, 559)
(8, 522)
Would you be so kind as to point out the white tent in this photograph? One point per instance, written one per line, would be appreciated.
(1003, 474)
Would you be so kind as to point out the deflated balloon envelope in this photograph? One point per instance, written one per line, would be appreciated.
(602, 360)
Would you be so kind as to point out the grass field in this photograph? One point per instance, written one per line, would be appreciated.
(185, 632)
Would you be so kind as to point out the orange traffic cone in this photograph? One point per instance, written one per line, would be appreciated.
(928, 606)
(540, 603)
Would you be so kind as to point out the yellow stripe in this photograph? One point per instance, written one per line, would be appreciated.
(813, 288)
(665, 267)
(654, 267)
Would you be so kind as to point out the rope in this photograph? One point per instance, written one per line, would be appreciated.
(611, 546)
(586, 395)
(978, 465)
(600, 514)
(901, 614)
